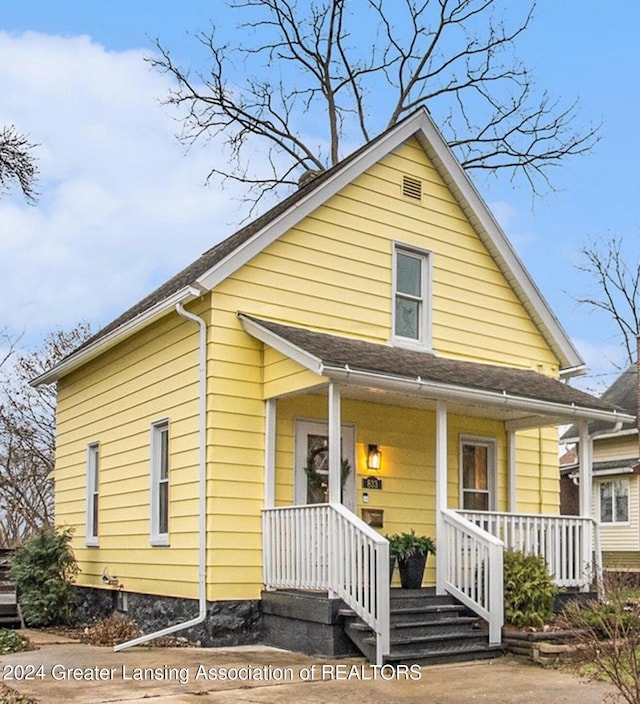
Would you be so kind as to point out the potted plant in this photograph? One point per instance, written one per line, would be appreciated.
(411, 551)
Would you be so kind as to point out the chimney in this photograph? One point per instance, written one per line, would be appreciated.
(307, 176)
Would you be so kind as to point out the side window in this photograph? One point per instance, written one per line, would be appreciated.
(411, 297)
(614, 501)
(477, 474)
(160, 483)
(93, 486)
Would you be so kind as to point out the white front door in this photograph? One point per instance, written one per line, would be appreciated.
(311, 463)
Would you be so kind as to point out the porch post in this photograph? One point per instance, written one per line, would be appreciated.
(511, 469)
(584, 461)
(335, 453)
(586, 487)
(270, 453)
(441, 493)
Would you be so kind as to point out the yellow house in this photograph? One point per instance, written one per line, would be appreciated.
(368, 357)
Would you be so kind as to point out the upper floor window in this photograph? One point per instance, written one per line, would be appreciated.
(411, 304)
(614, 501)
(93, 466)
(160, 483)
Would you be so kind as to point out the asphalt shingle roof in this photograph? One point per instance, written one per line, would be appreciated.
(623, 393)
(366, 356)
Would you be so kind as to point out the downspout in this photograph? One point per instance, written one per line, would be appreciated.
(202, 485)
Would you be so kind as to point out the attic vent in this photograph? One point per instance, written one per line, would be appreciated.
(412, 187)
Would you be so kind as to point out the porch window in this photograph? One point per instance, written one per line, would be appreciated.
(477, 468)
(160, 483)
(614, 501)
(91, 535)
(411, 296)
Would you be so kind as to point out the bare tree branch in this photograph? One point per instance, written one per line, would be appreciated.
(303, 87)
(27, 436)
(617, 282)
(17, 164)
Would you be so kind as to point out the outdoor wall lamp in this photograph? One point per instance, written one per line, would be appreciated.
(374, 457)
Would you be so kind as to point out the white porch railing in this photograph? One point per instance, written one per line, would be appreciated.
(325, 546)
(569, 544)
(473, 569)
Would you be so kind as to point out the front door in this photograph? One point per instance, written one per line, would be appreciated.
(311, 463)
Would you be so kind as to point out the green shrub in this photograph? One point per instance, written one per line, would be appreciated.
(13, 642)
(528, 590)
(44, 570)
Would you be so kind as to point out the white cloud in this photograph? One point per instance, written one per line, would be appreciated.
(122, 207)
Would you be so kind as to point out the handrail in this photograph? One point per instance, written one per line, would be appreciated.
(325, 546)
(569, 544)
(473, 568)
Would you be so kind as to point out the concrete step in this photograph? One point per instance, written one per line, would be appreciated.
(426, 628)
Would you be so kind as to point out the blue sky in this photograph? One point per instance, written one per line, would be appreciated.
(123, 206)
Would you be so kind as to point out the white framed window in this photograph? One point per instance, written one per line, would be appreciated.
(411, 296)
(477, 473)
(613, 498)
(160, 483)
(93, 486)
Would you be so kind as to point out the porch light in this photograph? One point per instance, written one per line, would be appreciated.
(374, 457)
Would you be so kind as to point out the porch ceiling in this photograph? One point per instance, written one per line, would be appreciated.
(393, 375)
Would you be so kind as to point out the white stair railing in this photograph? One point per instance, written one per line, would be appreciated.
(566, 542)
(473, 569)
(325, 546)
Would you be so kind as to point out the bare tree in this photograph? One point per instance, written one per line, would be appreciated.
(17, 163)
(617, 287)
(318, 78)
(27, 436)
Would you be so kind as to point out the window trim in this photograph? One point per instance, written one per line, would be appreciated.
(424, 340)
(613, 522)
(492, 470)
(93, 496)
(158, 538)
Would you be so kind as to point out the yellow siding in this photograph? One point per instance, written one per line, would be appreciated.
(332, 272)
(282, 376)
(113, 400)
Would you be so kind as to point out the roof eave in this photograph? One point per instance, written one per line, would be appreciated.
(102, 344)
(556, 412)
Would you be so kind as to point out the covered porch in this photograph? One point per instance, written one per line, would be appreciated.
(450, 410)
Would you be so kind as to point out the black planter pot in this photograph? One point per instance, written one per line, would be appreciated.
(412, 571)
(392, 566)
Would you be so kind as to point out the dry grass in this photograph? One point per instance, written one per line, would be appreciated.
(9, 696)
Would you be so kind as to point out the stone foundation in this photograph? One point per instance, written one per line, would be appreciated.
(227, 623)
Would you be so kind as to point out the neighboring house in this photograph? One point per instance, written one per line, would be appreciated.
(376, 316)
(616, 476)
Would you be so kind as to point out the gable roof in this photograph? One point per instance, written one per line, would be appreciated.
(383, 366)
(623, 393)
(229, 255)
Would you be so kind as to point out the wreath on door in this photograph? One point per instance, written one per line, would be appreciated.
(318, 480)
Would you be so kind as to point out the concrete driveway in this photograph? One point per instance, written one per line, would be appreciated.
(63, 671)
